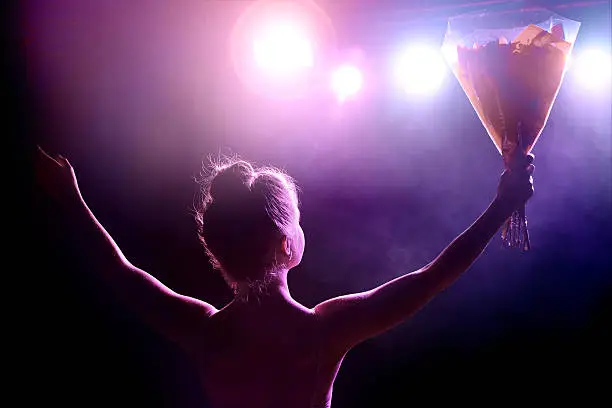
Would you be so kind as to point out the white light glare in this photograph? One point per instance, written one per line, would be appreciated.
(346, 81)
(283, 48)
(593, 68)
(420, 69)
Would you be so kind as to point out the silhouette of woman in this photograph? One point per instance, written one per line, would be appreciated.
(264, 349)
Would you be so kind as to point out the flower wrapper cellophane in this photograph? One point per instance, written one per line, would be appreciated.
(511, 65)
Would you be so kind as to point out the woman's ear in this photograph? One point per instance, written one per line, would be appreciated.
(287, 246)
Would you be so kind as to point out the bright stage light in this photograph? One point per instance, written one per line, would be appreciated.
(282, 48)
(420, 69)
(346, 81)
(592, 68)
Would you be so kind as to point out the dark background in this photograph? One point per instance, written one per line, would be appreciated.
(138, 94)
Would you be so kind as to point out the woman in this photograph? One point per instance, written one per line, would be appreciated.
(264, 349)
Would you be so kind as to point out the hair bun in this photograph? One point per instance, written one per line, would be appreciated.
(231, 182)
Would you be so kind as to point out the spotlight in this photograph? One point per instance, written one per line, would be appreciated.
(592, 68)
(279, 48)
(420, 69)
(282, 48)
(346, 82)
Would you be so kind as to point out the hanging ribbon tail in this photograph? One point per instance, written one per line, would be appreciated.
(526, 245)
(514, 232)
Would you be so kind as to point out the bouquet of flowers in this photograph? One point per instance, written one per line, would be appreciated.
(511, 65)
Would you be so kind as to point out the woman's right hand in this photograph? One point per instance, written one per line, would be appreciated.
(57, 178)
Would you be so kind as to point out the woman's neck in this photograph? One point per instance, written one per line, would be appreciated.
(272, 288)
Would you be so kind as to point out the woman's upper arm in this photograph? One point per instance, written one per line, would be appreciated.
(181, 319)
(348, 319)
(354, 318)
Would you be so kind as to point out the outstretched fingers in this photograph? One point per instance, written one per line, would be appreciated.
(58, 160)
(44, 155)
(64, 161)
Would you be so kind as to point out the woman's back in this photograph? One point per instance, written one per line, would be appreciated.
(269, 354)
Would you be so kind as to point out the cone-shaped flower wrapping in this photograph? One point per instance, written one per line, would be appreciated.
(511, 65)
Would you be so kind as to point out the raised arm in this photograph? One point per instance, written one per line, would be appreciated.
(353, 318)
(180, 318)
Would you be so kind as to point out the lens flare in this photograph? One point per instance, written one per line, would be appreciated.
(346, 81)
